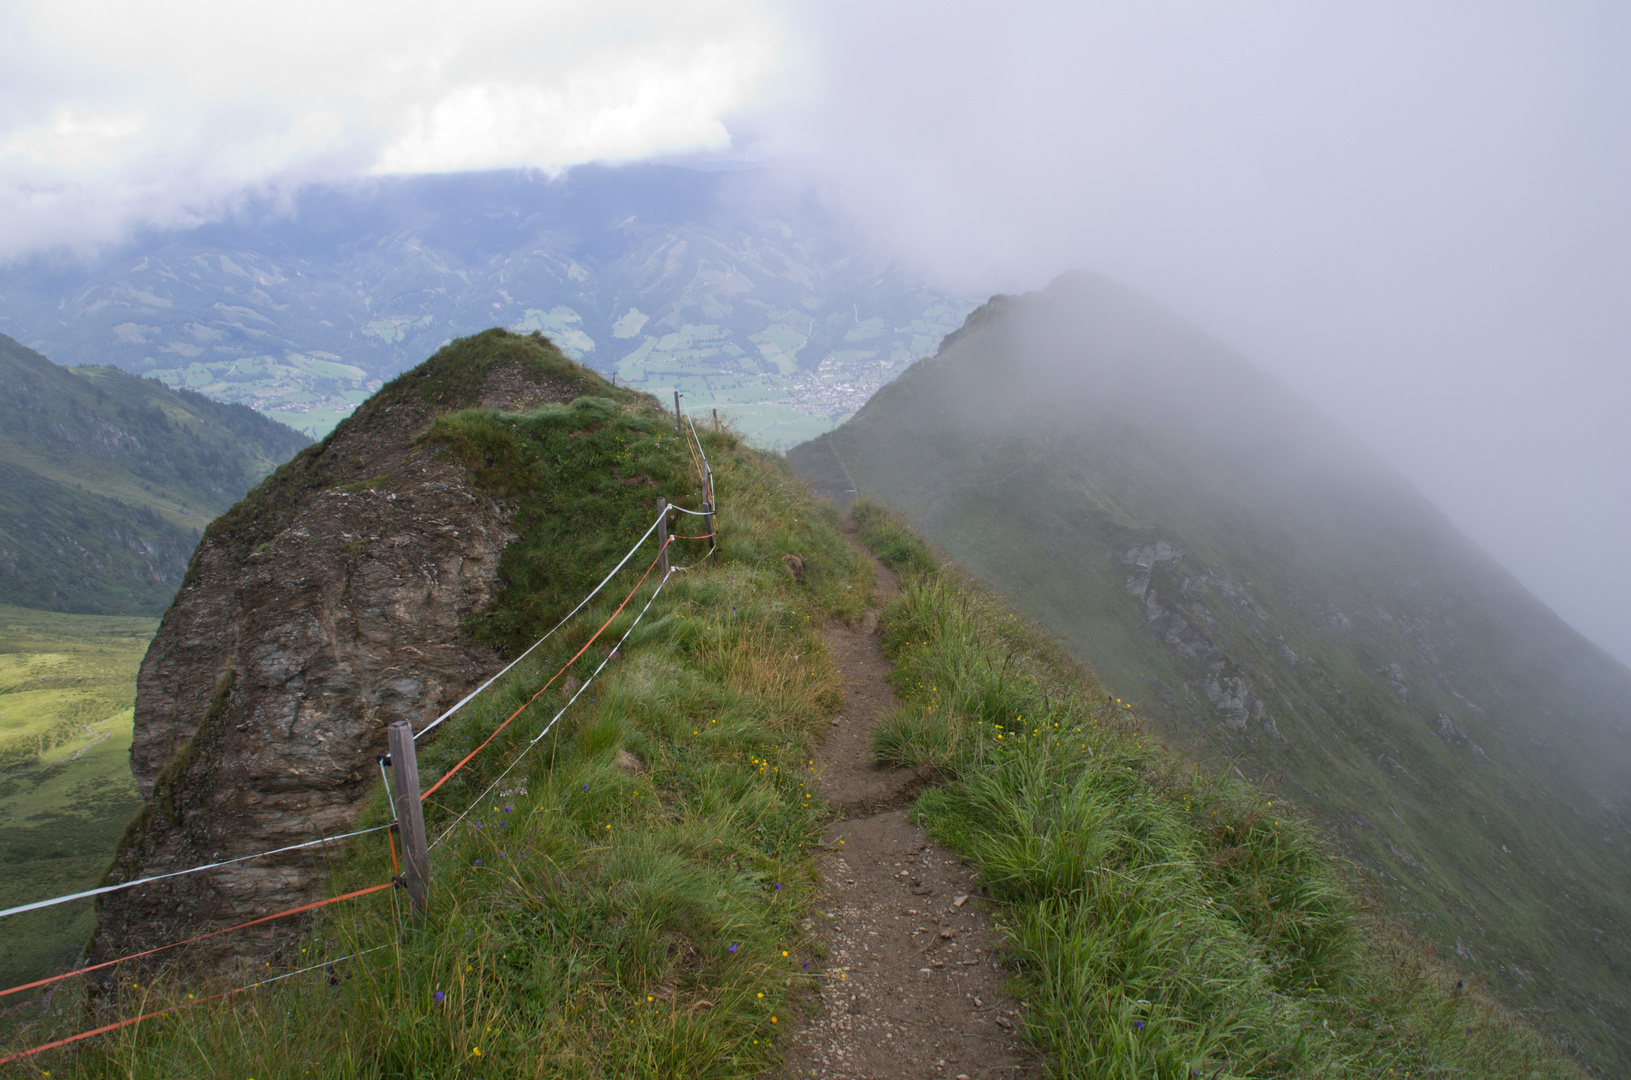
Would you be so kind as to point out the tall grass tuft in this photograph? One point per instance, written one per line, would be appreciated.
(895, 545)
(1161, 919)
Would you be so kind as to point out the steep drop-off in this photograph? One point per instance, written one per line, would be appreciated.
(1269, 591)
(326, 605)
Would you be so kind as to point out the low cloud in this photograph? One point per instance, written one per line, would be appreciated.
(119, 115)
(1417, 215)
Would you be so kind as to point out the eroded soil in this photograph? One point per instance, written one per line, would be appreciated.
(912, 989)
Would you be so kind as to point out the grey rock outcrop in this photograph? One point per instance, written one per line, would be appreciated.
(1228, 688)
(1394, 674)
(1453, 733)
(324, 607)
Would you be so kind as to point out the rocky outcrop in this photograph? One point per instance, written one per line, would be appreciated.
(324, 607)
(1453, 733)
(1394, 674)
(1227, 687)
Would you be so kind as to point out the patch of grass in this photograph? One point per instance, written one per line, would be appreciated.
(1162, 920)
(896, 545)
(627, 900)
(66, 684)
(60, 674)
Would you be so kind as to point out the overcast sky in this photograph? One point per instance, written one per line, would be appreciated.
(1418, 214)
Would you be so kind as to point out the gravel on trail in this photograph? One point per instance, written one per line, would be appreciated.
(911, 986)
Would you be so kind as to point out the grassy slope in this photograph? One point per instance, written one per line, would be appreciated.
(66, 685)
(1164, 920)
(591, 919)
(628, 899)
(1515, 854)
(106, 480)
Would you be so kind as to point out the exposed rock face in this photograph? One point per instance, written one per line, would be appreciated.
(320, 610)
(1227, 687)
(1453, 733)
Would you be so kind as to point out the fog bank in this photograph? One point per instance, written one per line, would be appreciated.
(1419, 217)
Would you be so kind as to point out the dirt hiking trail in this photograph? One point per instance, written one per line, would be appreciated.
(914, 990)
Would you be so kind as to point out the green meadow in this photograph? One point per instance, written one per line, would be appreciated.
(67, 683)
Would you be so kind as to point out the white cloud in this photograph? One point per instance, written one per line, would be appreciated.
(116, 115)
(73, 140)
(612, 108)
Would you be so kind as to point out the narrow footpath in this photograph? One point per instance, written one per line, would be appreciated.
(912, 988)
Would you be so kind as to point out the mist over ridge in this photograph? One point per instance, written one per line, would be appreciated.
(1274, 594)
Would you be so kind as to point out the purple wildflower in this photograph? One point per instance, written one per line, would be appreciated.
(440, 997)
(732, 948)
(478, 862)
(1138, 1024)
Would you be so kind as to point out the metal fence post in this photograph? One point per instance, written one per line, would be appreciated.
(662, 535)
(410, 815)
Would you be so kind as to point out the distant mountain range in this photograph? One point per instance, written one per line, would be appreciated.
(713, 283)
(1270, 593)
(107, 480)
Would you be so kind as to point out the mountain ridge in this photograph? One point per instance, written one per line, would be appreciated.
(109, 479)
(1270, 594)
(642, 893)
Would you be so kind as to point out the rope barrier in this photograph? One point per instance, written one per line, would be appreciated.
(200, 937)
(466, 759)
(104, 1029)
(390, 800)
(606, 660)
(700, 451)
(179, 873)
(467, 698)
(361, 832)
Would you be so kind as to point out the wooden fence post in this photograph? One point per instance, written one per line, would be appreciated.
(662, 534)
(679, 421)
(410, 815)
